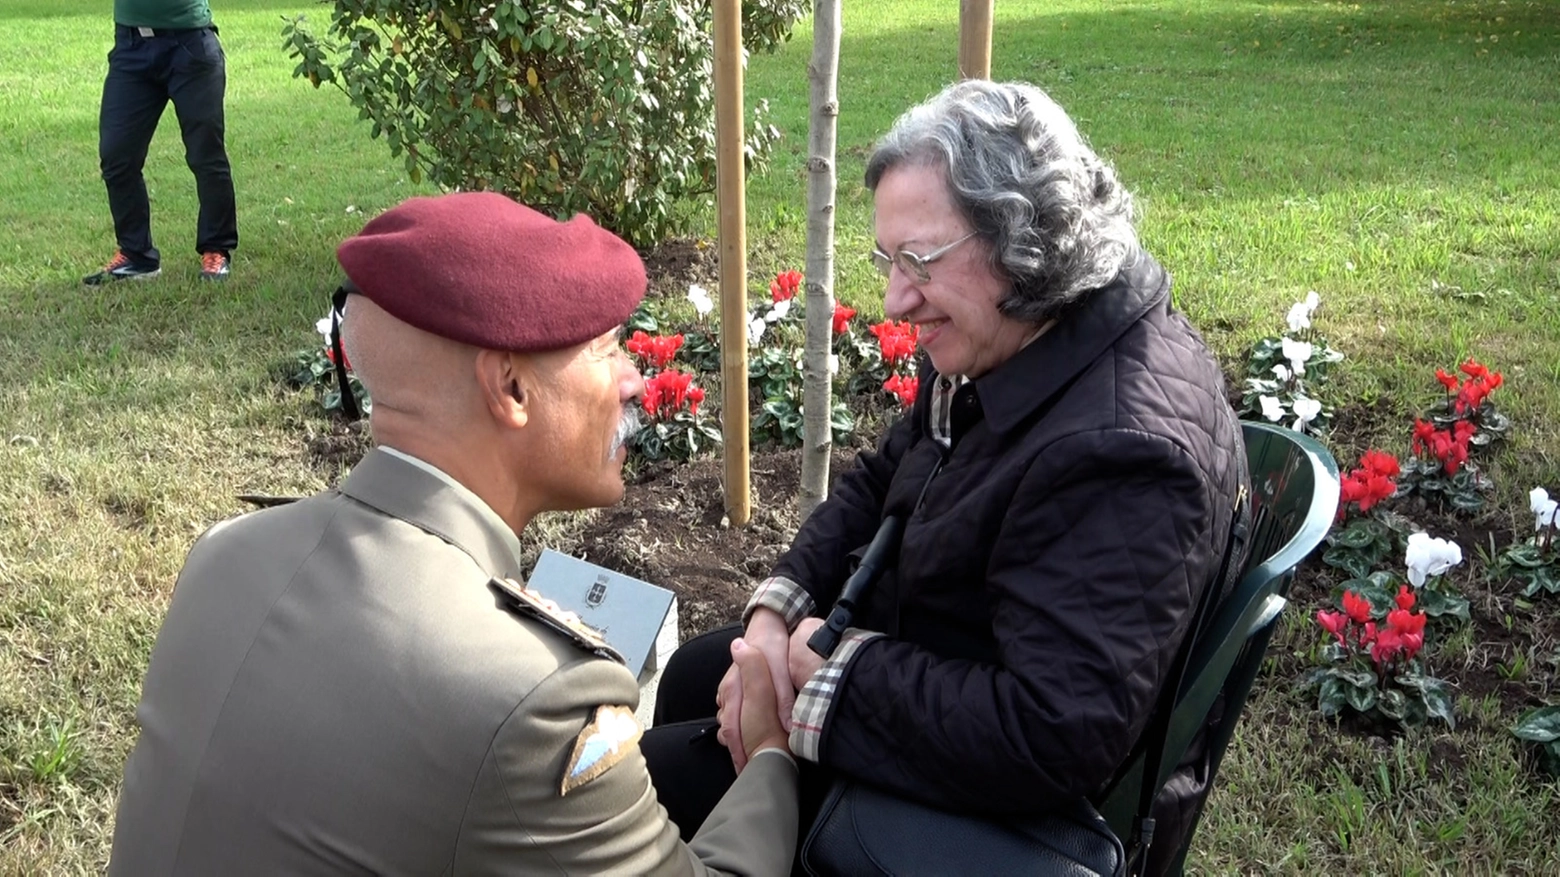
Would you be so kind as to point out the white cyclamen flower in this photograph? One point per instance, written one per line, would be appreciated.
(1545, 510)
(1299, 317)
(1272, 409)
(1312, 300)
(1297, 352)
(1281, 372)
(323, 327)
(1305, 412)
(756, 326)
(700, 297)
(1428, 556)
(778, 312)
(834, 364)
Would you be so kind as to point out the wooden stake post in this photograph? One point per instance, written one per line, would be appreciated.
(730, 181)
(975, 39)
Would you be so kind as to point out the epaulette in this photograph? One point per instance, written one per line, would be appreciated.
(533, 605)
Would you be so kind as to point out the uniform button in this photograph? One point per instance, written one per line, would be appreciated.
(947, 384)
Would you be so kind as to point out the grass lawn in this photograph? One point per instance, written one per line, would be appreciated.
(1397, 157)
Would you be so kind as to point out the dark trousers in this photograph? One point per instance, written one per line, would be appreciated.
(691, 770)
(144, 74)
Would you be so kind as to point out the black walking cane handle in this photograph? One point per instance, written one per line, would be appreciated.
(827, 638)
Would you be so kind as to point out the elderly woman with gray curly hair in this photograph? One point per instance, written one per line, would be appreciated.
(1067, 477)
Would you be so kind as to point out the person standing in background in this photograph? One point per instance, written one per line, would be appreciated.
(165, 50)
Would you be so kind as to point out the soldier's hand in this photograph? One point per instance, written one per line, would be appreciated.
(766, 631)
(760, 724)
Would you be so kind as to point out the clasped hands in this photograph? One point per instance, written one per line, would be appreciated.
(790, 662)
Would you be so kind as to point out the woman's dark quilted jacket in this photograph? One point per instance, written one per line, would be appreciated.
(1049, 575)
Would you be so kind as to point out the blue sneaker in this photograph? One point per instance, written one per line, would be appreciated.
(120, 268)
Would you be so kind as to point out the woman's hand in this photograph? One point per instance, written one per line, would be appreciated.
(754, 716)
(804, 662)
(766, 632)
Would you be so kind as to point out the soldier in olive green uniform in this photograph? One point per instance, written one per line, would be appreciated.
(358, 682)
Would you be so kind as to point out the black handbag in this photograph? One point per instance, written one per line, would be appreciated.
(863, 831)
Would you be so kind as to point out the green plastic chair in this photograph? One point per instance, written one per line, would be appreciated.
(1294, 499)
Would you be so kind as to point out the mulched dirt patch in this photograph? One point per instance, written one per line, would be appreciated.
(335, 446)
(671, 530)
(676, 263)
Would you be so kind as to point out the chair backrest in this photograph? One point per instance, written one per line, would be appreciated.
(1294, 498)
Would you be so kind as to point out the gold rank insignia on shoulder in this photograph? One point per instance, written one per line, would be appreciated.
(533, 605)
(604, 742)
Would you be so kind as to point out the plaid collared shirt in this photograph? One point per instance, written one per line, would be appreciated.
(793, 603)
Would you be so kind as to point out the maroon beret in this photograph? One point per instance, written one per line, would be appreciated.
(479, 268)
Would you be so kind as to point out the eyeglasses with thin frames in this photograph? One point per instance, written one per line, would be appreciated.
(913, 264)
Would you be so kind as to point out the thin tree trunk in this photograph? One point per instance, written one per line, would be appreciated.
(817, 400)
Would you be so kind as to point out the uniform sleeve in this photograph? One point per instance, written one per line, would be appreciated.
(520, 821)
(1092, 577)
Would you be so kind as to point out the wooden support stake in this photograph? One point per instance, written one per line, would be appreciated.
(730, 181)
(975, 39)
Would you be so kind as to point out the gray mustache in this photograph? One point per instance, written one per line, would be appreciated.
(627, 427)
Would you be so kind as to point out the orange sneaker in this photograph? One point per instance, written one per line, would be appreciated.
(215, 266)
(120, 268)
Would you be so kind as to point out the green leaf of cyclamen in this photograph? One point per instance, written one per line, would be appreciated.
(1361, 697)
(1438, 604)
(1358, 534)
(1541, 725)
(1347, 559)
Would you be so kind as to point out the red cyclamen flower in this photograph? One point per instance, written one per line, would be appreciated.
(1380, 463)
(1474, 392)
(897, 340)
(1387, 645)
(1334, 623)
(904, 388)
(842, 317)
(667, 392)
(785, 285)
(1404, 598)
(1357, 607)
(1410, 629)
(654, 351)
(1449, 381)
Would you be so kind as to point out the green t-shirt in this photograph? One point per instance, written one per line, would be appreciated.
(162, 13)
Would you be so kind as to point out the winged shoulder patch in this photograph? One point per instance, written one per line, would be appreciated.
(609, 737)
(529, 603)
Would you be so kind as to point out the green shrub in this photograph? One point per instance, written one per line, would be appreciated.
(605, 108)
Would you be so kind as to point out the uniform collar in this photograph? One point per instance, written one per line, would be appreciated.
(1013, 390)
(422, 495)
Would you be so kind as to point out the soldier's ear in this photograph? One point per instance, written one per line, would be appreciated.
(504, 381)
